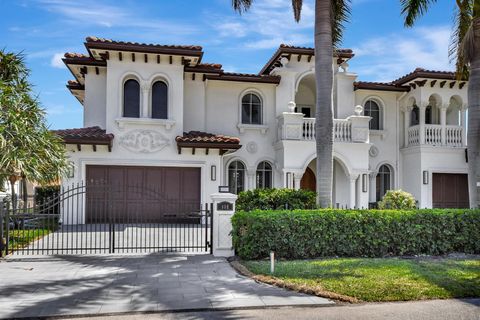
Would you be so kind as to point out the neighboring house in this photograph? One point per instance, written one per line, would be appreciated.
(157, 116)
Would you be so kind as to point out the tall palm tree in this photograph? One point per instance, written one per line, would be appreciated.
(330, 15)
(465, 49)
(28, 149)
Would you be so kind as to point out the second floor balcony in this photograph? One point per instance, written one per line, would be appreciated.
(294, 126)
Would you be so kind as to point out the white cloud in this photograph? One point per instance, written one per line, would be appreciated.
(387, 58)
(269, 23)
(56, 61)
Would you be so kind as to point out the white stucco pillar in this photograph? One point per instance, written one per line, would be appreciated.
(223, 210)
(372, 187)
(251, 183)
(145, 98)
(443, 123)
(297, 178)
(421, 132)
(463, 123)
(353, 193)
(407, 115)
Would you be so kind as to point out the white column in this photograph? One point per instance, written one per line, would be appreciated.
(407, 115)
(223, 210)
(145, 99)
(297, 178)
(421, 133)
(251, 183)
(443, 123)
(464, 125)
(352, 202)
(372, 187)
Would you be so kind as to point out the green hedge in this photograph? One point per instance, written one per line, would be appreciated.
(355, 233)
(274, 199)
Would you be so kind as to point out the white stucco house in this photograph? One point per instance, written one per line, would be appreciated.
(158, 115)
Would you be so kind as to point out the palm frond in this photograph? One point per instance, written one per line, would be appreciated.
(468, 46)
(462, 22)
(413, 9)
(341, 10)
(297, 9)
(241, 6)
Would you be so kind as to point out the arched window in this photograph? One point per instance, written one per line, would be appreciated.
(415, 116)
(264, 175)
(383, 181)
(159, 100)
(236, 177)
(372, 109)
(251, 109)
(131, 99)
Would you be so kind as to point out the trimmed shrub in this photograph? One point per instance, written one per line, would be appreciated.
(397, 199)
(355, 233)
(272, 199)
(44, 197)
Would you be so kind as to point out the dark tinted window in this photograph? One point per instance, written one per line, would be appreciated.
(131, 99)
(160, 100)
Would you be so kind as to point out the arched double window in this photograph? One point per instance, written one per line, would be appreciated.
(383, 181)
(251, 109)
(372, 109)
(236, 177)
(131, 99)
(159, 100)
(264, 175)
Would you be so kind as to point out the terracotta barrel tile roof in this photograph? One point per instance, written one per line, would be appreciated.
(424, 73)
(381, 86)
(85, 135)
(75, 55)
(204, 137)
(93, 39)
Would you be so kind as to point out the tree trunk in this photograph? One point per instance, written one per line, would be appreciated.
(12, 180)
(324, 110)
(473, 139)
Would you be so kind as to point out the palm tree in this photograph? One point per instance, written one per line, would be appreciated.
(465, 49)
(28, 149)
(329, 18)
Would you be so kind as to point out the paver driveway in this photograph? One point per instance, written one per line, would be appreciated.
(72, 285)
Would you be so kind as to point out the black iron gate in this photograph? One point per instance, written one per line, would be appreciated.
(99, 219)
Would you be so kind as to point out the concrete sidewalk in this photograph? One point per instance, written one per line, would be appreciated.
(94, 285)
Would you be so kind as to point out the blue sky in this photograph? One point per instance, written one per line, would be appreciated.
(45, 29)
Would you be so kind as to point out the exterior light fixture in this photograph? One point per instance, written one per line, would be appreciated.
(364, 183)
(425, 177)
(213, 172)
(71, 170)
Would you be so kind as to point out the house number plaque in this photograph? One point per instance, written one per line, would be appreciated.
(224, 206)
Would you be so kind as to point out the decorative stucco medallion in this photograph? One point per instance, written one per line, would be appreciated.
(373, 152)
(252, 147)
(143, 141)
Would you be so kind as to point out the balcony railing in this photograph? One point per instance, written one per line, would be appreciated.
(436, 135)
(293, 126)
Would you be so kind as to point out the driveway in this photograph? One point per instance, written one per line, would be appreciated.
(95, 285)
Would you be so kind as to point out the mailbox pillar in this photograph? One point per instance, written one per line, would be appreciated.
(223, 210)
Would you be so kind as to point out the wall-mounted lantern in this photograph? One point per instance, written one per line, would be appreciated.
(71, 170)
(425, 177)
(213, 172)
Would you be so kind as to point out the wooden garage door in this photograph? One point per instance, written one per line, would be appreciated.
(141, 194)
(450, 190)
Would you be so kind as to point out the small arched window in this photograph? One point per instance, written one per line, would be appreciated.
(159, 100)
(251, 109)
(415, 116)
(428, 115)
(372, 110)
(131, 99)
(264, 175)
(236, 177)
(383, 181)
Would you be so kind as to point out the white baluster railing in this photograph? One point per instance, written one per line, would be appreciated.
(414, 135)
(308, 128)
(342, 130)
(433, 134)
(454, 136)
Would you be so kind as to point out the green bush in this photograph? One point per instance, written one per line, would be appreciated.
(355, 233)
(397, 199)
(272, 199)
(45, 199)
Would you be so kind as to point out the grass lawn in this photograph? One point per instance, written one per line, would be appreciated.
(22, 238)
(390, 279)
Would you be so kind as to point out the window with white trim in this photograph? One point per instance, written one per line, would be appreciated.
(383, 181)
(372, 109)
(131, 99)
(236, 177)
(264, 175)
(159, 100)
(251, 109)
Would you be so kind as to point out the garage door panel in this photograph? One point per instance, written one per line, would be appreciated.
(450, 190)
(143, 194)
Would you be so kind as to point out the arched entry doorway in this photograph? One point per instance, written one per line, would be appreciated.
(308, 181)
